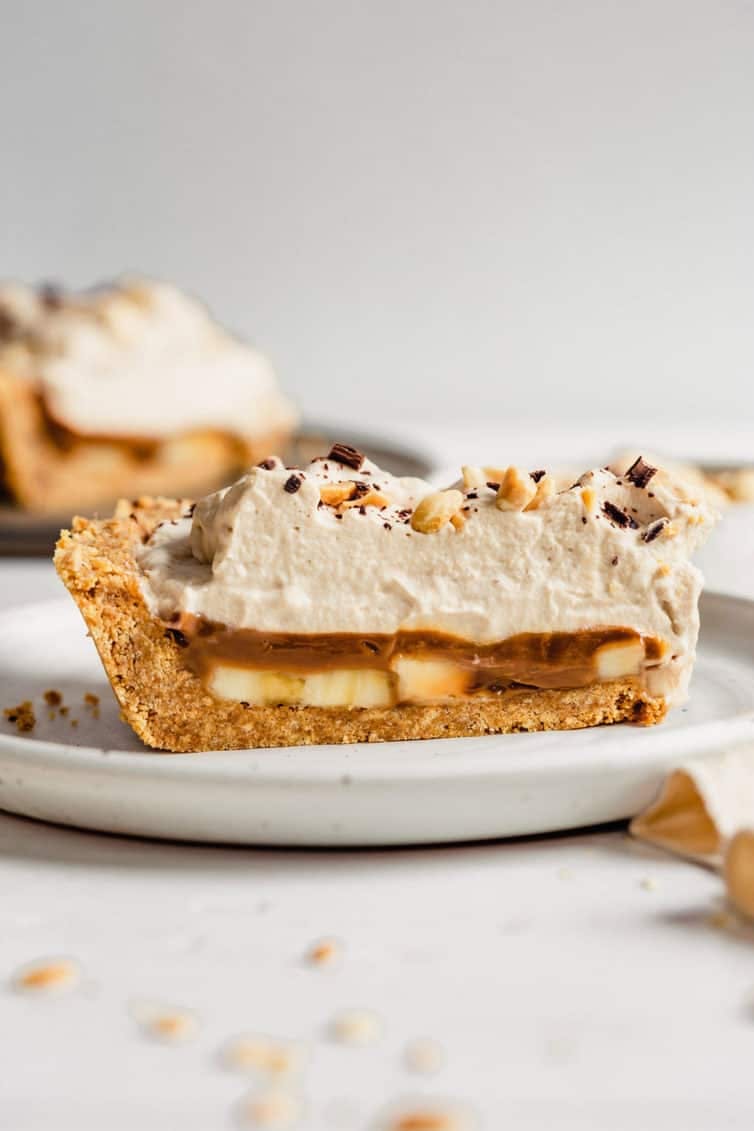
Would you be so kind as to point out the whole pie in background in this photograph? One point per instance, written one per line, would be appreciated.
(131, 387)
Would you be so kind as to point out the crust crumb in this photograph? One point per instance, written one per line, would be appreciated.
(165, 1023)
(270, 1109)
(324, 952)
(50, 976)
(356, 1027)
(266, 1056)
(428, 1119)
(22, 715)
(424, 1056)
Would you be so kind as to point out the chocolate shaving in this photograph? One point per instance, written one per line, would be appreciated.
(472, 495)
(268, 464)
(654, 530)
(619, 517)
(639, 473)
(292, 484)
(493, 486)
(344, 453)
(614, 561)
(359, 490)
(537, 475)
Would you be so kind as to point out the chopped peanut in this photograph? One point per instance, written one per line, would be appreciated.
(435, 510)
(351, 494)
(545, 490)
(371, 499)
(516, 491)
(333, 494)
(473, 477)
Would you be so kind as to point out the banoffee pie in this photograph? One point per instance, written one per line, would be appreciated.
(129, 387)
(336, 603)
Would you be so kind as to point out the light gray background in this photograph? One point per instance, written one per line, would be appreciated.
(469, 209)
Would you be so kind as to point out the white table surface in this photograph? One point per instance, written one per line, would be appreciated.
(580, 981)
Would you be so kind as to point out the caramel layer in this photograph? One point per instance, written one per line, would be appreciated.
(543, 660)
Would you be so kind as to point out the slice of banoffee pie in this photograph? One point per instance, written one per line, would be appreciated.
(129, 387)
(337, 603)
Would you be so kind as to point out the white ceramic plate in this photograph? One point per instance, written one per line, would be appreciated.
(98, 775)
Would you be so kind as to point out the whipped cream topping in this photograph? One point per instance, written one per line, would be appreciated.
(138, 358)
(267, 553)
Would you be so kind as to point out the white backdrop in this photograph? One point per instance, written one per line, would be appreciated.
(468, 209)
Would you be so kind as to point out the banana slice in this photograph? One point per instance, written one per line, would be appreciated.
(615, 660)
(339, 688)
(262, 689)
(421, 681)
(348, 688)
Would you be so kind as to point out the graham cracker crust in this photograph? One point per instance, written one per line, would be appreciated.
(169, 708)
(48, 470)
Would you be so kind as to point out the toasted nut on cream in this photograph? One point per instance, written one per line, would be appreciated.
(473, 477)
(435, 510)
(516, 490)
(615, 660)
(333, 494)
(429, 680)
(371, 499)
(545, 490)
